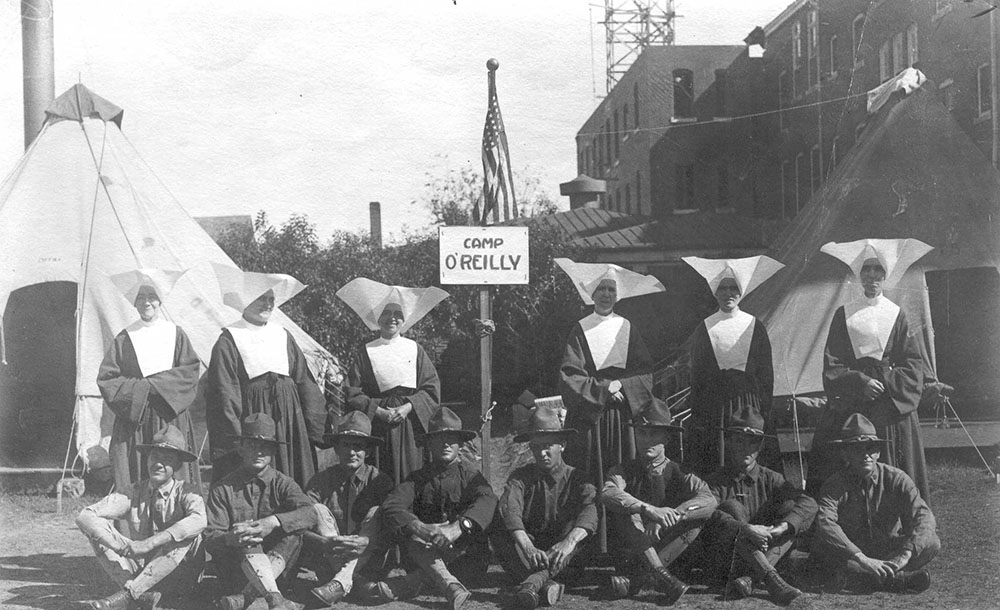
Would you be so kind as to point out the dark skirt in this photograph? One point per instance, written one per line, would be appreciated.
(129, 465)
(278, 396)
(399, 455)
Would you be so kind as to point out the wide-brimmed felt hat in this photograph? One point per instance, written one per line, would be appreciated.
(446, 422)
(544, 422)
(368, 299)
(354, 425)
(259, 427)
(747, 421)
(240, 288)
(748, 272)
(171, 439)
(162, 281)
(857, 429)
(657, 416)
(587, 277)
(894, 255)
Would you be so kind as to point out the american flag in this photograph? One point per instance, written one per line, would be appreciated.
(497, 178)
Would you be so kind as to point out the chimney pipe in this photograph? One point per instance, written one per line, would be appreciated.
(375, 212)
(38, 58)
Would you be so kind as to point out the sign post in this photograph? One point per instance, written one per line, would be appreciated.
(484, 256)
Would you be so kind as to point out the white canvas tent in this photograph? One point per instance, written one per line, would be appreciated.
(82, 205)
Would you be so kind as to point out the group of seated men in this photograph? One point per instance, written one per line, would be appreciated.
(872, 529)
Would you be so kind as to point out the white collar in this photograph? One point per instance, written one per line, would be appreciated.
(869, 324)
(730, 334)
(394, 362)
(607, 337)
(154, 344)
(264, 349)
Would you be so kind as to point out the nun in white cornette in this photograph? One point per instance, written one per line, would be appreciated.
(392, 379)
(873, 362)
(148, 378)
(731, 368)
(257, 367)
(606, 375)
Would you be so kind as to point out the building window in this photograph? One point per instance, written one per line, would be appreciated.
(617, 137)
(912, 56)
(611, 201)
(815, 169)
(625, 118)
(812, 56)
(785, 194)
(985, 92)
(885, 62)
(618, 199)
(833, 54)
(638, 193)
(784, 96)
(628, 199)
(722, 178)
(580, 167)
(683, 94)
(796, 44)
(897, 54)
(800, 172)
(607, 141)
(720, 93)
(635, 102)
(684, 188)
(857, 34)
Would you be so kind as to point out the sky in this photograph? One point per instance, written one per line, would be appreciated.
(318, 108)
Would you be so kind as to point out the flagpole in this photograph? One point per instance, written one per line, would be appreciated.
(485, 313)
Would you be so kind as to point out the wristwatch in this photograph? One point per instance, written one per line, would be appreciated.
(467, 525)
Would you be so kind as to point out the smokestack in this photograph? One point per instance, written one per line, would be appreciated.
(38, 56)
(375, 212)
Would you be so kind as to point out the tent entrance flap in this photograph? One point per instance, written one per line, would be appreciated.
(967, 338)
(37, 384)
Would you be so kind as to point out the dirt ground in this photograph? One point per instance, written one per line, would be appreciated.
(46, 564)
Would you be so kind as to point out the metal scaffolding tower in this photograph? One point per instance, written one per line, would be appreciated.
(632, 25)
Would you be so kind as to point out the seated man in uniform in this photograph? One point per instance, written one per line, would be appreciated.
(873, 528)
(547, 510)
(166, 518)
(758, 517)
(256, 516)
(347, 497)
(655, 509)
(443, 511)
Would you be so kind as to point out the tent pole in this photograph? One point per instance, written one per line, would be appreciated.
(798, 441)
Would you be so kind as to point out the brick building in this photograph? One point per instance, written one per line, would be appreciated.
(803, 105)
(615, 142)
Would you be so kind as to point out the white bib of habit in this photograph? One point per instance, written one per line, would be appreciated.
(154, 344)
(394, 362)
(730, 335)
(607, 338)
(869, 323)
(264, 349)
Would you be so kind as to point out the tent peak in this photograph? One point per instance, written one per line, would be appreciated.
(79, 103)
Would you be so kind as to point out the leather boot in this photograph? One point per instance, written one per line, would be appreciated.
(232, 602)
(781, 592)
(668, 584)
(551, 592)
(457, 595)
(119, 600)
(738, 588)
(526, 596)
(148, 600)
(330, 593)
(277, 601)
(911, 582)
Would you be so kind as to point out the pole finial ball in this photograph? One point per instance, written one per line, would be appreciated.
(492, 64)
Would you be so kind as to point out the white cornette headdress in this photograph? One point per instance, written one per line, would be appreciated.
(895, 255)
(748, 272)
(368, 299)
(162, 280)
(587, 276)
(240, 288)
